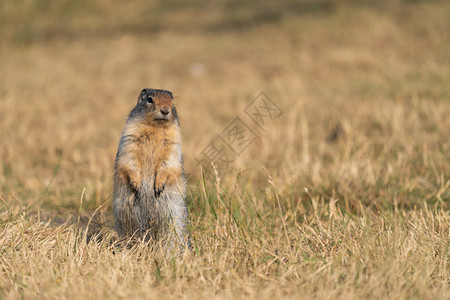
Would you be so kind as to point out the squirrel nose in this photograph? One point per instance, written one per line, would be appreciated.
(165, 111)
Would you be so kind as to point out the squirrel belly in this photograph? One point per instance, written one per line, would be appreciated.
(149, 183)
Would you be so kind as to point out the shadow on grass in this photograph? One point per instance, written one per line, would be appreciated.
(94, 224)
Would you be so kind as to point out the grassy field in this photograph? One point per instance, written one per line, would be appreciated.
(345, 195)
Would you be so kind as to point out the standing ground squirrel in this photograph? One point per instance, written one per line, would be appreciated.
(149, 181)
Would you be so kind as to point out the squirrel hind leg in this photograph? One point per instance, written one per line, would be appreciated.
(125, 197)
(177, 222)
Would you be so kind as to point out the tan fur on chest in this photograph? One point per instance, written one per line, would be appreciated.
(152, 147)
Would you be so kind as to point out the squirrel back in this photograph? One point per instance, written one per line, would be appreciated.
(149, 181)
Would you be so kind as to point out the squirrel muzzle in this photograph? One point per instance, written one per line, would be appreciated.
(163, 113)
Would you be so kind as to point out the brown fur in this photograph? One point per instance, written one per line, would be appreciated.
(149, 185)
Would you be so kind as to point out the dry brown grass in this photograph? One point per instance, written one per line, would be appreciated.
(364, 89)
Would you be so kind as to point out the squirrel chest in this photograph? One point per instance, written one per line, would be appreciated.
(157, 148)
(152, 148)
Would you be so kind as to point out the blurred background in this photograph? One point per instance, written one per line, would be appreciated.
(363, 86)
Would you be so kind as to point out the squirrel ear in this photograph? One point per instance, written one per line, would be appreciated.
(142, 94)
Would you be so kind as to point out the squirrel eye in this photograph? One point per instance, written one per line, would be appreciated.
(149, 99)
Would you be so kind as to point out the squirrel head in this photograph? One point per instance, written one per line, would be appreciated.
(156, 107)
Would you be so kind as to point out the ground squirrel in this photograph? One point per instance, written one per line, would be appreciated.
(149, 181)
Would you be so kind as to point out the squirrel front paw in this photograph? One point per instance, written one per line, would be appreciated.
(160, 184)
(135, 181)
(131, 177)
